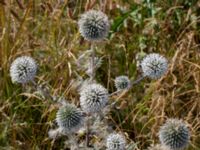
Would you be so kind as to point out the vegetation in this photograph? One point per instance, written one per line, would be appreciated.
(47, 30)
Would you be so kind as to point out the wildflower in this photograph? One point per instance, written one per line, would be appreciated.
(174, 134)
(94, 25)
(154, 66)
(93, 98)
(69, 118)
(23, 69)
(122, 83)
(115, 142)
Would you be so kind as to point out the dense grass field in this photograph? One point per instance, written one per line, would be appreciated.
(47, 30)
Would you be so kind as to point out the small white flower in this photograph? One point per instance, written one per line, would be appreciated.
(69, 118)
(154, 66)
(116, 142)
(93, 98)
(23, 69)
(122, 83)
(94, 25)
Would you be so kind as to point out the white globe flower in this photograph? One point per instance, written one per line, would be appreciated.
(93, 98)
(23, 69)
(94, 25)
(154, 66)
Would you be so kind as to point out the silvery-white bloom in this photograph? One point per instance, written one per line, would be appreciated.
(154, 66)
(174, 134)
(69, 118)
(93, 98)
(115, 142)
(23, 69)
(94, 25)
(122, 83)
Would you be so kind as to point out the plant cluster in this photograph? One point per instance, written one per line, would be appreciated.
(90, 118)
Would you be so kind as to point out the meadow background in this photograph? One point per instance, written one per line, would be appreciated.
(47, 30)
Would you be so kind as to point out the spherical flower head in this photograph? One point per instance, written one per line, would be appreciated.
(122, 83)
(116, 142)
(69, 118)
(154, 66)
(23, 69)
(158, 147)
(174, 134)
(94, 25)
(93, 98)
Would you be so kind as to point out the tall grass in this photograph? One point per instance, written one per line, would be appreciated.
(47, 30)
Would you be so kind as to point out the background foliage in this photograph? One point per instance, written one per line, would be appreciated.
(47, 30)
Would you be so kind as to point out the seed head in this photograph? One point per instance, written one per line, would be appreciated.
(93, 98)
(94, 25)
(23, 69)
(122, 83)
(69, 118)
(154, 66)
(116, 142)
(174, 134)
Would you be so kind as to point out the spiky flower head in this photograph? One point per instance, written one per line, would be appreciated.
(93, 98)
(115, 142)
(158, 147)
(23, 69)
(122, 83)
(154, 66)
(94, 25)
(174, 134)
(69, 118)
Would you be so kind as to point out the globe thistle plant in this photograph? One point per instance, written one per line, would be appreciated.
(94, 25)
(174, 134)
(154, 66)
(122, 83)
(115, 142)
(23, 69)
(93, 98)
(69, 118)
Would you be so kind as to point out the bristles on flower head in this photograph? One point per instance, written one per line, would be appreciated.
(23, 69)
(93, 98)
(122, 83)
(94, 25)
(154, 66)
(174, 134)
(115, 142)
(69, 118)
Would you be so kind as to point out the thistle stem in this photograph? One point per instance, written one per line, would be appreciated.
(138, 80)
(46, 94)
(92, 62)
(92, 76)
(87, 131)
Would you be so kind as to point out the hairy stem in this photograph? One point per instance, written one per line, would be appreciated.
(46, 94)
(138, 80)
(87, 131)
(92, 76)
(92, 62)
